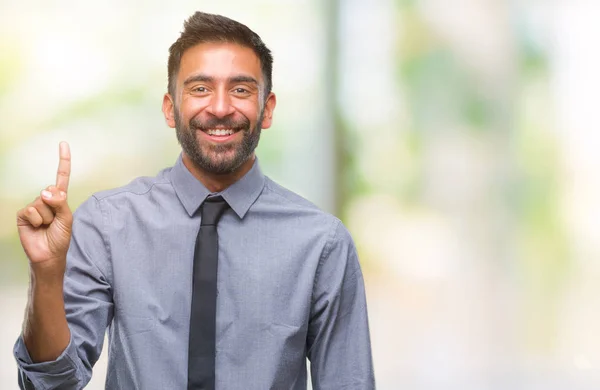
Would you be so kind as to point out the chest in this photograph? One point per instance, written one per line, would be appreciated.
(265, 272)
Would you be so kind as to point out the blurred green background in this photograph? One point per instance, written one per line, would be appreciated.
(455, 139)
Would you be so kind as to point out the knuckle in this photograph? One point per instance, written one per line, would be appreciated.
(30, 218)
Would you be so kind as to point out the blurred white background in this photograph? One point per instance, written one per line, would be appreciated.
(456, 139)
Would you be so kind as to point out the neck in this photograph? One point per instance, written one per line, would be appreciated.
(214, 182)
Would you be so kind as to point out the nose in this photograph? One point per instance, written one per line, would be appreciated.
(220, 105)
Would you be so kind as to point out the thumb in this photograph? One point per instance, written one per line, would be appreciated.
(57, 200)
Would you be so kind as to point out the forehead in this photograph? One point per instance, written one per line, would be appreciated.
(219, 60)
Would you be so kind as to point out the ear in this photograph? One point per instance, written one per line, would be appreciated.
(168, 109)
(270, 104)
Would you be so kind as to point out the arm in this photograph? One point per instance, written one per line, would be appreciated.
(338, 344)
(66, 312)
(88, 310)
(45, 230)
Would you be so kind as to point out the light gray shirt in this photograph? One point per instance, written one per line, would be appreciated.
(289, 287)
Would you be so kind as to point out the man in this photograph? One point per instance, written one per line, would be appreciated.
(208, 275)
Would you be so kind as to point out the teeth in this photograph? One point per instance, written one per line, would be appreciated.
(220, 132)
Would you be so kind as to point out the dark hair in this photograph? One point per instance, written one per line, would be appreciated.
(202, 28)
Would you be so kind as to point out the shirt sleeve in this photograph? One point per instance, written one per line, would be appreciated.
(88, 307)
(338, 342)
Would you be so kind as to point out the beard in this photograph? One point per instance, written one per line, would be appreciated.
(218, 159)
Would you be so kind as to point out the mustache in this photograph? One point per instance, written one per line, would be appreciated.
(227, 123)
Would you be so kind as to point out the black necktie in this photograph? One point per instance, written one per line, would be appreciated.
(201, 355)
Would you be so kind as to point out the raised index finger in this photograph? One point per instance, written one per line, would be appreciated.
(64, 167)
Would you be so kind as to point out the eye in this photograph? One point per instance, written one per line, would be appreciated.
(241, 90)
(199, 89)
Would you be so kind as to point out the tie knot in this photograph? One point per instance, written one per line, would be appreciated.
(212, 209)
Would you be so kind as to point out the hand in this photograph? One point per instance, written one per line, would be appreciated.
(45, 224)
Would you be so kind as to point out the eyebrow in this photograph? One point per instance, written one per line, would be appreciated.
(209, 79)
(243, 79)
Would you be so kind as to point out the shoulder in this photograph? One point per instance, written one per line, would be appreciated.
(138, 191)
(286, 200)
(301, 209)
(285, 197)
(139, 186)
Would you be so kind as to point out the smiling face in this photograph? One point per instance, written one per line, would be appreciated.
(219, 107)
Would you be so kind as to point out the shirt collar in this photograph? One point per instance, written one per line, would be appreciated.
(240, 195)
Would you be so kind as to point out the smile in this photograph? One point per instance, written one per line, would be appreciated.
(220, 132)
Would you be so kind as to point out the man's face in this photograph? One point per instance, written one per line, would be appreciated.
(219, 107)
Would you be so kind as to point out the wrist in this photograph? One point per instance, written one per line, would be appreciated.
(48, 273)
